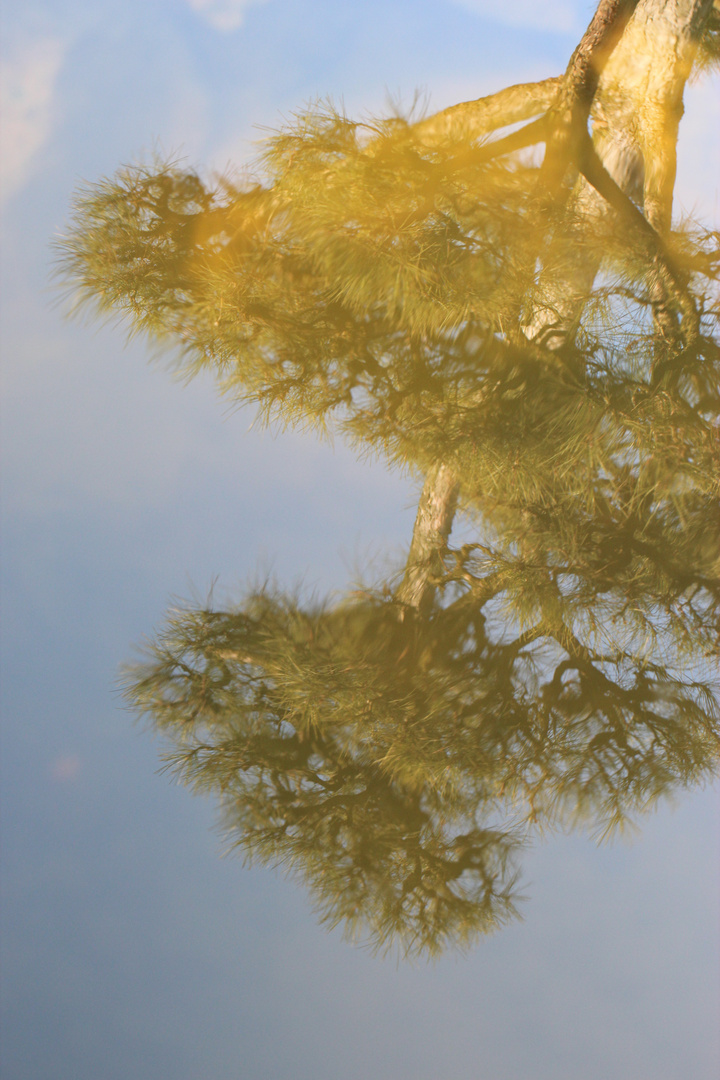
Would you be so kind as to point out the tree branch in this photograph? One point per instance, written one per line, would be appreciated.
(534, 132)
(471, 119)
(595, 173)
(569, 116)
(433, 523)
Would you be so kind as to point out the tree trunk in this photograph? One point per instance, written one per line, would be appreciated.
(636, 114)
(433, 523)
(629, 74)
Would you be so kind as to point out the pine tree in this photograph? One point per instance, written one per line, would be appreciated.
(538, 343)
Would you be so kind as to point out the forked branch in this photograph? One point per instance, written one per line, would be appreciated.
(570, 113)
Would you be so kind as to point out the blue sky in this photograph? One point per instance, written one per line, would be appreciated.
(130, 947)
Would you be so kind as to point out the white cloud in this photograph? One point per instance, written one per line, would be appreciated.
(561, 16)
(223, 15)
(27, 89)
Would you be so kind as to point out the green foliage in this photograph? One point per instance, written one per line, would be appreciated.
(325, 735)
(566, 670)
(396, 763)
(708, 55)
(383, 286)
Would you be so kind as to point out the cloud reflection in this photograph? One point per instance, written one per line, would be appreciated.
(66, 768)
(223, 15)
(28, 80)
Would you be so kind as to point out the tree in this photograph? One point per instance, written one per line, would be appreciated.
(538, 343)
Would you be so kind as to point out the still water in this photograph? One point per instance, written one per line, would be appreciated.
(445, 775)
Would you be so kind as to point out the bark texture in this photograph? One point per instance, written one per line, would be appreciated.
(473, 119)
(433, 523)
(635, 115)
(627, 76)
(569, 115)
(640, 96)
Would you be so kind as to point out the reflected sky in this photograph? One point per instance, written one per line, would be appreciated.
(419, 745)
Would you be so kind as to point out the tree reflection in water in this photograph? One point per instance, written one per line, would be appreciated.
(399, 763)
(547, 358)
